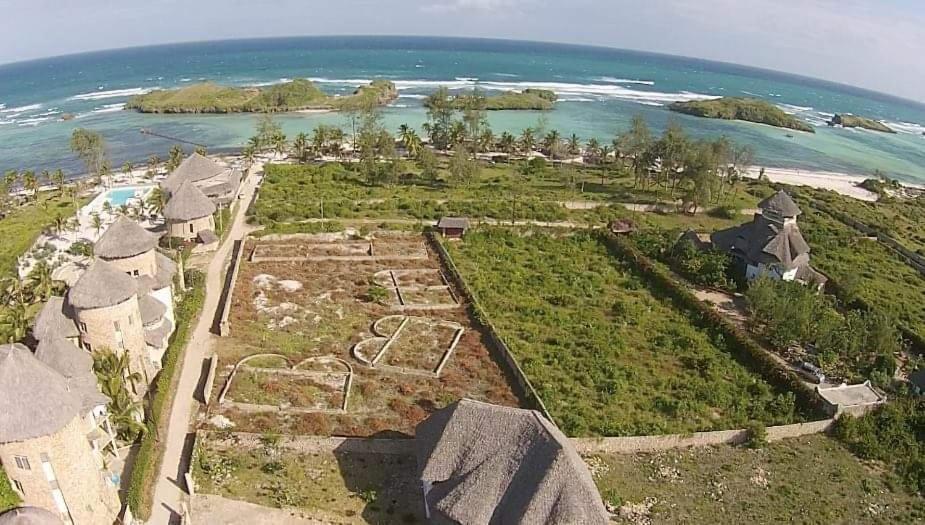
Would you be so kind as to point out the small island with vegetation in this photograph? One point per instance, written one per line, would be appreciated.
(747, 109)
(528, 99)
(295, 95)
(854, 121)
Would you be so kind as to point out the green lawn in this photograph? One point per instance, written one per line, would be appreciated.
(606, 355)
(811, 479)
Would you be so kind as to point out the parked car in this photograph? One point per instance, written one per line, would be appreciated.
(812, 371)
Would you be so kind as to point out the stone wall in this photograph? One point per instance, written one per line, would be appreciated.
(181, 230)
(231, 279)
(314, 444)
(90, 499)
(632, 444)
(496, 344)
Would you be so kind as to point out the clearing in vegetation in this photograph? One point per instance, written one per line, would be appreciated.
(333, 487)
(322, 310)
(606, 355)
(811, 479)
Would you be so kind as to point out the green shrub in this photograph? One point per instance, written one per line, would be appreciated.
(757, 435)
(8, 497)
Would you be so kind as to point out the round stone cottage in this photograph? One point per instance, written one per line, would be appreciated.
(106, 307)
(189, 212)
(43, 443)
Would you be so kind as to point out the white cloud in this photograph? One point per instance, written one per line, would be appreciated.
(492, 6)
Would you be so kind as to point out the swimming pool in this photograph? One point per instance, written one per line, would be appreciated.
(116, 197)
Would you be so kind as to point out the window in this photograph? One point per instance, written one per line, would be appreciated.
(22, 462)
(191, 228)
(83, 327)
(87, 346)
(130, 319)
(18, 486)
(116, 325)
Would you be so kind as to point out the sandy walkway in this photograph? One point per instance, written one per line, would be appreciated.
(837, 182)
(168, 494)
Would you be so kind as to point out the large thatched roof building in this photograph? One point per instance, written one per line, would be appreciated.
(771, 244)
(487, 464)
(43, 429)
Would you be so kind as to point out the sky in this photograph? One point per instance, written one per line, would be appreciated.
(875, 44)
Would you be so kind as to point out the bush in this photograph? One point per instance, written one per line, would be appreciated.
(757, 435)
(8, 497)
(140, 489)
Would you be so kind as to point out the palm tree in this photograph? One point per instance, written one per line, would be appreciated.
(175, 157)
(593, 150)
(412, 142)
(552, 143)
(125, 210)
(300, 147)
(486, 140)
(457, 133)
(41, 282)
(127, 168)
(157, 199)
(527, 141)
(574, 145)
(256, 143)
(31, 183)
(60, 224)
(97, 223)
(154, 163)
(13, 317)
(279, 143)
(57, 178)
(507, 143)
(605, 154)
(113, 374)
(10, 178)
(249, 153)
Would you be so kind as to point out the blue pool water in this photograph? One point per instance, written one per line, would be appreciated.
(119, 196)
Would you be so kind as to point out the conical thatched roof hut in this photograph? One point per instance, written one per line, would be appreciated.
(195, 168)
(782, 204)
(75, 365)
(102, 286)
(34, 398)
(188, 203)
(482, 463)
(29, 516)
(54, 318)
(125, 238)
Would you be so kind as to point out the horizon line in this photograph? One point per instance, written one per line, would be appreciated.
(899, 98)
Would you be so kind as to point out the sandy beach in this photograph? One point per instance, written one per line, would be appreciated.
(838, 182)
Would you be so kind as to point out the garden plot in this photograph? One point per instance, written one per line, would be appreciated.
(267, 382)
(424, 289)
(409, 345)
(322, 310)
(301, 249)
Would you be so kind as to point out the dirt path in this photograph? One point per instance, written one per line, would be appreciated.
(169, 490)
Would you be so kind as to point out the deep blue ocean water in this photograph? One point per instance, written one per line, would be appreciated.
(600, 90)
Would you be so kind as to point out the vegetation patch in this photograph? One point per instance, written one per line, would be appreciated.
(336, 487)
(294, 95)
(811, 479)
(8, 497)
(747, 109)
(853, 121)
(606, 353)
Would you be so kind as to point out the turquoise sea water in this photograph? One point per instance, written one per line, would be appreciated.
(599, 90)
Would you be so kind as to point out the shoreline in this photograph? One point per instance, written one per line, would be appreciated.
(841, 183)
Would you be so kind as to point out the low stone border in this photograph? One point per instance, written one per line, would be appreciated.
(371, 255)
(224, 327)
(292, 371)
(389, 279)
(379, 335)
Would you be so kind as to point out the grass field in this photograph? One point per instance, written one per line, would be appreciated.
(293, 193)
(808, 480)
(22, 226)
(606, 355)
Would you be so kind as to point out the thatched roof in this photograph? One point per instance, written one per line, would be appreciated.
(152, 310)
(157, 336)
(102, 285)
(764, 241)
(34, 398)
(782, 204)
(54, 318)
(125, 238)
(188, 203)
(75, 365)
(29, 516)
(195, 168)
(490, 464)
(166, 269)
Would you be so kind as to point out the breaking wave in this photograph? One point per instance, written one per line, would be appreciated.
(99, 95)
(21, 109)
(613, 80)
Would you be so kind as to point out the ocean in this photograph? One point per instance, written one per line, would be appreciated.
(600, 90)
